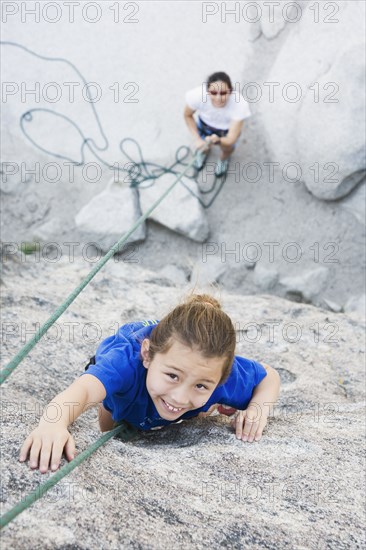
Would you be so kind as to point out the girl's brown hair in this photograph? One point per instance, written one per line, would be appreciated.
(198, 323)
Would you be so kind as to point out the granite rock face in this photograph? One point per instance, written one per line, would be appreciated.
(356, 304)
(321, 139)
(317, 105)
(264, 277)
(343, 168)
(188, 218)
(193, 484)
(109, 215)
(307, 285)
(355, 203)
(271, 21)
(208, 270)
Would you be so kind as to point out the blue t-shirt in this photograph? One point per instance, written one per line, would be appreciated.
(118, 365)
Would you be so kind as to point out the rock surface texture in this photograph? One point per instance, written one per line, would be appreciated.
(180, 211)
(292, 187)
(192, 485)
(316, 104)
(287, 223)
(109, 215)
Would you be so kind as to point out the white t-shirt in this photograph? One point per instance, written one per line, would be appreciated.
(236, 108)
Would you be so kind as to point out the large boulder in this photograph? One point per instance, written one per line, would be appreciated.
(333, 134)
(307, 285)
(109, 215)
(355, 203)
(315, 119)
(272, 21)
(50, 230)
(206, 273)
(265, 277)
(356, 305)
(180, 210)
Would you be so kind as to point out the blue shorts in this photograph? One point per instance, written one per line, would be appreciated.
(205, 130)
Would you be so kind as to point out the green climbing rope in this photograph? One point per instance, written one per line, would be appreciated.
(124, 430)
(8, 369)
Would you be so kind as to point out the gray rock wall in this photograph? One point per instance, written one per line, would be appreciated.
(192, 485)
(314, 201)
(315, 112)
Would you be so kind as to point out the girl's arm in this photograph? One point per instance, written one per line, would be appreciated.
(51, 436)
(249, 424)
(267, 391)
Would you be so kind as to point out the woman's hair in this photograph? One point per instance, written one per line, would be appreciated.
(200, 324)
(215, 77)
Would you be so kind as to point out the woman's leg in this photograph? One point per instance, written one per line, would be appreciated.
(201, 156)
(106, 421)
(226, 151)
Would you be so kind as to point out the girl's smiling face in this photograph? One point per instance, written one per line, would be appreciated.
(180, 380)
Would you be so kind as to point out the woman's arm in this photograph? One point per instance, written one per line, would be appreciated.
(233, 133)
(191, 123)
(51, 436)
(192, 126)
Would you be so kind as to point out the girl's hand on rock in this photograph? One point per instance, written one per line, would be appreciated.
(46, 442)
(249, 424)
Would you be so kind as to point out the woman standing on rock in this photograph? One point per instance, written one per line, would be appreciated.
(220, 118)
